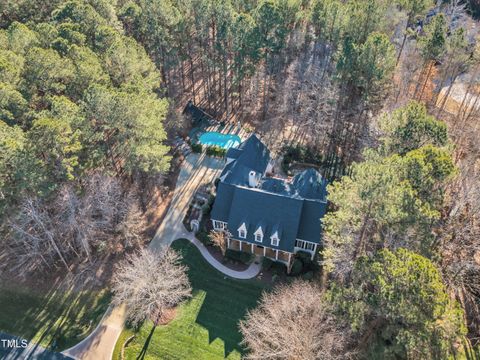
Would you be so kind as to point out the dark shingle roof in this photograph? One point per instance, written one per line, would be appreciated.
(310, 228)
(277, 186)
(252, 154)
(309, 184)
(233, 153)
(257, 208)
(223, 202)
(294, 209)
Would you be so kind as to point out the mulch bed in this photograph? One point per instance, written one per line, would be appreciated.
(230, 263)
(167, 316)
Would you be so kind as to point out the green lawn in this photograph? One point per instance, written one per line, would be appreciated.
(206, 326)
(60, 318)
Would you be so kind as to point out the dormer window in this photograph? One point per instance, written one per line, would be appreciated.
(242, 231)
(274, 239)
(258, 235)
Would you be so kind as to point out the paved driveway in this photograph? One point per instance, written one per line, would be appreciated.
(196, 170)
(11, 349)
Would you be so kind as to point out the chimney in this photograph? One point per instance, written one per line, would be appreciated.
(252, 180)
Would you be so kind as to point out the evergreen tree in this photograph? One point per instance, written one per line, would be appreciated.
(410, 127)
(400, 307)
(414, 10)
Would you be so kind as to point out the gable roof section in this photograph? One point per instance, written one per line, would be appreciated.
(310, 228)
(250, 155)
(257, 208)
(223, 202)
(255, 155)
(197, 113)
(309, 184)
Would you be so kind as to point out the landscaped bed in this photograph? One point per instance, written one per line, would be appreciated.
(58, 319)
(206, 326)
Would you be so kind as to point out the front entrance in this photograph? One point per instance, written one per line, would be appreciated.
(258, 250)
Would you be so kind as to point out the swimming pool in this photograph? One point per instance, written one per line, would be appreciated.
(225, 141)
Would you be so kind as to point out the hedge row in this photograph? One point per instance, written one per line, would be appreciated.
(240, 256)
(197, 148)
(216, 151)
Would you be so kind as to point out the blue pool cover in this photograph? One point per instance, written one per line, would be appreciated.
(225, 141)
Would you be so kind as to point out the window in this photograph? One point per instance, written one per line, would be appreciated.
(242, 231)
(259, 235)
(274, 239)
(305, 245)
(219, 225)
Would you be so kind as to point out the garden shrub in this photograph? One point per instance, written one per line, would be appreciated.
(203, 236)
(308, 264)
(206, 209)
(267, 264)
(216, 151)
(278, 268)
(197, 148)
(297, 267)
(308, 275)
(240, 256)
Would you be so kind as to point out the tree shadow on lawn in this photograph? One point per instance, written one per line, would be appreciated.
(143, 352)
(220, 324)
(227, 300)
(57, 319)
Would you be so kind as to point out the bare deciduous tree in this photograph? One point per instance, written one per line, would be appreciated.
(149, 283)
(219, 239)
(132, 222)
(33, 243)
(71, 226)
(459, 236)
(292, 322)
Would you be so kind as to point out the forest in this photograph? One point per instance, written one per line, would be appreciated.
(386, 94)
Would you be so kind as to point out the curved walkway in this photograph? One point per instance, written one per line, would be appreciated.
(249, 273)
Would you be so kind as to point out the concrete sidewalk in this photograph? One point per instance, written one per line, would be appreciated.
(249, 273)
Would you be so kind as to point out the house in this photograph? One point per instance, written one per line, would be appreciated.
(266, 215)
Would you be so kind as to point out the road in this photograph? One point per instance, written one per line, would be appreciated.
(11, 348)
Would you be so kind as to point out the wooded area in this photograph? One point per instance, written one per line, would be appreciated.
(386, 94)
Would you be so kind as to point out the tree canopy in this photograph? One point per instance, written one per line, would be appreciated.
(77, 95)
(398, 299)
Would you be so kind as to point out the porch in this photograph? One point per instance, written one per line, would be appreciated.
(273, 254)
